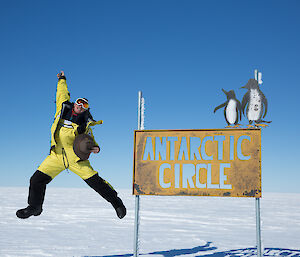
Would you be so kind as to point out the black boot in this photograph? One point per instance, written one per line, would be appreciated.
(119, 207)
(36, 195)
(28, 211)
(108, 193)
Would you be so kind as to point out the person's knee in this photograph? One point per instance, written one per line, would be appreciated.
(94, 180)
(40, 178)
(101, 186)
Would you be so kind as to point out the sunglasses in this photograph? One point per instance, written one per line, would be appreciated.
(83, 103)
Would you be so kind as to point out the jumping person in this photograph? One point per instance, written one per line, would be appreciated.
(71, 120)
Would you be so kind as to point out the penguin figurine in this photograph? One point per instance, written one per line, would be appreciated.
(232, 110)
(257, 104)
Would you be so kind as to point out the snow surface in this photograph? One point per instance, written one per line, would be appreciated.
(78, 222)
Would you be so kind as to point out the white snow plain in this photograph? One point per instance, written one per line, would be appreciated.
(78, 222)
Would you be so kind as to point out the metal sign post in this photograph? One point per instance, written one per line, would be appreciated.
(258, 228)
(258, 77)
(141, 108)
(136, 226)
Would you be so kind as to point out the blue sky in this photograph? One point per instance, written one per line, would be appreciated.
(179, 53)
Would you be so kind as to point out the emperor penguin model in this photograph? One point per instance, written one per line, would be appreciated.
(232, 110)
(257, 104)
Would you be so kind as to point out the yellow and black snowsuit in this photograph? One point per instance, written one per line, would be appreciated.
(62, 156)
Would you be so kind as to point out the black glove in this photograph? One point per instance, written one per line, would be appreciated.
(81, 129)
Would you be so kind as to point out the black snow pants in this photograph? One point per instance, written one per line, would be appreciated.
(39, 180)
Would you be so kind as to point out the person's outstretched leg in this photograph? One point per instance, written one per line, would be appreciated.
(108, 193)
(36, 196)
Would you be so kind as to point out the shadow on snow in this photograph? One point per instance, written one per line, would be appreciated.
(249, 252)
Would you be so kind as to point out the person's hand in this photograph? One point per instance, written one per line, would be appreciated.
(95, 149)
(61, 74)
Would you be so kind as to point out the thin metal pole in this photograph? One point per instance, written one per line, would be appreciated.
(139, 109)
(136, 226)
(137, 197)
(258, 227)
(257, 76)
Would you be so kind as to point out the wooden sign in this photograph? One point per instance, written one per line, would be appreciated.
(210, 162)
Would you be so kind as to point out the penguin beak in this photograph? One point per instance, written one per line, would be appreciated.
(243, 87)
(224, 91)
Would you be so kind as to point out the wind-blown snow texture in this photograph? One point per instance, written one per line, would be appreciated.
(78, 222)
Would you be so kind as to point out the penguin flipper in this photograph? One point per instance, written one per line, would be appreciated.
(245, 101)
(220, 106)
(265, 102)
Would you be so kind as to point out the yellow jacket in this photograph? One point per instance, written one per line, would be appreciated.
(62, 95)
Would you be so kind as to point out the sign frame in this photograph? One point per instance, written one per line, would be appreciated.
(256, 190)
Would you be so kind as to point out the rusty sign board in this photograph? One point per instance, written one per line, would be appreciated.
(210, 162)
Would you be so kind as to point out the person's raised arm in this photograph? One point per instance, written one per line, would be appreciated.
(62, 93)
